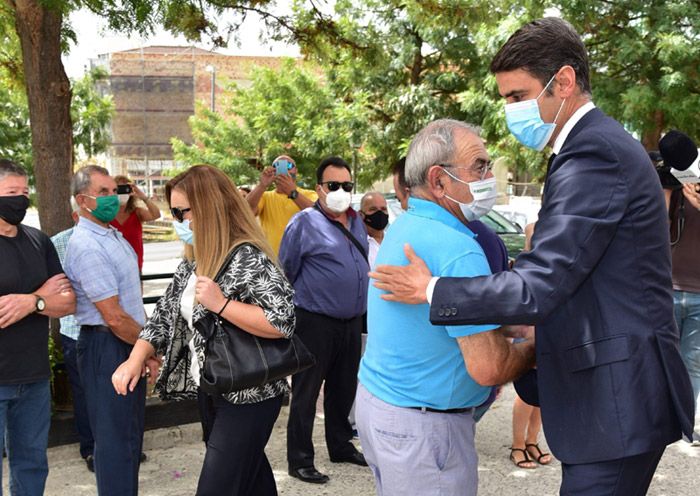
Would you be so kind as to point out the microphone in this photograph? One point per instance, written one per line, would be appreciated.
(678, 150)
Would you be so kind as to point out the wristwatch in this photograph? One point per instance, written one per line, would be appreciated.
(40, 304)
(293, 195)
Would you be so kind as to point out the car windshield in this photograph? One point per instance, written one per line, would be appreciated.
(500, 224)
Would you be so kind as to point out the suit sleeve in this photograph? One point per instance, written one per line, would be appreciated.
(585, 199)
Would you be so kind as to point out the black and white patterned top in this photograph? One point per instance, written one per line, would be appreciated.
(251, 278)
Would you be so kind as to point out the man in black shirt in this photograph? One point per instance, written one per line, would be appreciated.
(32, 289)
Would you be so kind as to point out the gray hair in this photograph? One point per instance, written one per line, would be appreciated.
(9, 168)
(434, 144)
(81, 179)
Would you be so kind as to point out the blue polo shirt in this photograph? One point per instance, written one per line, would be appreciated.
(100, 264)
(409, 361)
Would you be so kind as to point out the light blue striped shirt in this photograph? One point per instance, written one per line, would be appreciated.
(69, 326)
(100, 264)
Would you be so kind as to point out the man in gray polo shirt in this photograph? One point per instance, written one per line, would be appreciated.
(103, 270)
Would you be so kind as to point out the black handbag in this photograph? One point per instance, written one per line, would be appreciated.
(235, 359)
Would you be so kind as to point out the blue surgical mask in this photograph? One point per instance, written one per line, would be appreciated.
(526, 124)
(183, 231)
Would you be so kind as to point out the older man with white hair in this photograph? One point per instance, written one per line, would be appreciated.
(416, 398)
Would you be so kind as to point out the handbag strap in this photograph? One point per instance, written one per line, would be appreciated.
(347, 233)
(227, 261)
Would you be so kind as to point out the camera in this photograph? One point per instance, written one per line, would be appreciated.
(123, 189)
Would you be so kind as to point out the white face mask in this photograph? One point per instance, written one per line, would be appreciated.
(123, 199)
(484, 194)
(338, 201)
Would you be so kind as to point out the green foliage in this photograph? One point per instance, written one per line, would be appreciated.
(413, 62)
(15, 133)
(645, 60)
(288, 111)
(91, 113)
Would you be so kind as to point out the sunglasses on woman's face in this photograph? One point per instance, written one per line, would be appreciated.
(179, 213)
(336, 185)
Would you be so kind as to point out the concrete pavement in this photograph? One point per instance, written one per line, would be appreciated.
(176, 454)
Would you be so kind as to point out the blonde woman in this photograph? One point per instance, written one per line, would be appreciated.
(214, 220)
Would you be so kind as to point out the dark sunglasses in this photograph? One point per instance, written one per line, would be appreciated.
(179, 213)
(335, 185)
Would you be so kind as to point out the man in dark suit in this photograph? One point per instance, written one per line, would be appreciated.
(597, 283)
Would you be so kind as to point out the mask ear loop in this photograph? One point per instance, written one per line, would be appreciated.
(545, 87)
(562, 102)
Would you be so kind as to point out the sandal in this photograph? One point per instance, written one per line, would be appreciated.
(539, 455)
(521, 463)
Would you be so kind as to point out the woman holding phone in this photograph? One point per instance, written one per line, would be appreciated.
(252, 293)
(130, 218)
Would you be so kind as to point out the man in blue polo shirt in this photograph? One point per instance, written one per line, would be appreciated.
(416, 398)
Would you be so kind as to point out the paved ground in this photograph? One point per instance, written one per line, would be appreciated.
(175, 458)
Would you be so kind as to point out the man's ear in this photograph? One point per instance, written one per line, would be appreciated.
(435, 181)
(566, 81)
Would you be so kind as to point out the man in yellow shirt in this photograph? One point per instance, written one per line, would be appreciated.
(276, 207)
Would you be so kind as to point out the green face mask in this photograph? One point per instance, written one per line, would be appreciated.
(106, 209)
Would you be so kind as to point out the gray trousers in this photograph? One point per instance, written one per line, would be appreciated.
(412, 452)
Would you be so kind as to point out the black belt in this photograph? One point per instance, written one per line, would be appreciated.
(433, 410)
(98, 328)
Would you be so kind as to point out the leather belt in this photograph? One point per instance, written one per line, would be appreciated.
(451, 410)
(98, 328)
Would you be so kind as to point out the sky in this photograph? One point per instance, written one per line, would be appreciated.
(94, 39)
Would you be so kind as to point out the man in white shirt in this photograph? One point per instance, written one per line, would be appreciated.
(375, 213)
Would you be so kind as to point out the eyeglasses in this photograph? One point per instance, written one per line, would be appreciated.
(179, 213)
(484, 168)
(335, 185)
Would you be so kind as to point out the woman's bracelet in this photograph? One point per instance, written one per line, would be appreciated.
(228, 300)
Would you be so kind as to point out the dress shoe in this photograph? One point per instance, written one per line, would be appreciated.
(355, 458)
(309, 474)
(90, 462)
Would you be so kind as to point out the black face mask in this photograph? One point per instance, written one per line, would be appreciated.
(13, 208)
(378, 220)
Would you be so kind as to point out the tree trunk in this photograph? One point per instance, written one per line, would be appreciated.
(650, 139)
(49, 98)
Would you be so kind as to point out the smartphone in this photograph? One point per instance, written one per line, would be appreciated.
(281, 167)
(123, 189)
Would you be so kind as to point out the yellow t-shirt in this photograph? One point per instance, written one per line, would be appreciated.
(275, 210)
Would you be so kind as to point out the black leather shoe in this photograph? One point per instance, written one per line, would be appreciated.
(90, 462)
(309, 474)
(355, 458)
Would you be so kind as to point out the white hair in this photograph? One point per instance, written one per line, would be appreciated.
(433, 145)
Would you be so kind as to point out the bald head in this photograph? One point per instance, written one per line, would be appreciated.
(372, 198)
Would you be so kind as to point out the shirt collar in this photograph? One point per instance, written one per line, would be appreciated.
(94, 227)
(569, 125)
(431, 210)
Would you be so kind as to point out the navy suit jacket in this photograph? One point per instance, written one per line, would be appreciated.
(597, 284)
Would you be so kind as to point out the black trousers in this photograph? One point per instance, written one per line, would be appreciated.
(235, 462)
(628, 476)
(336, 344)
